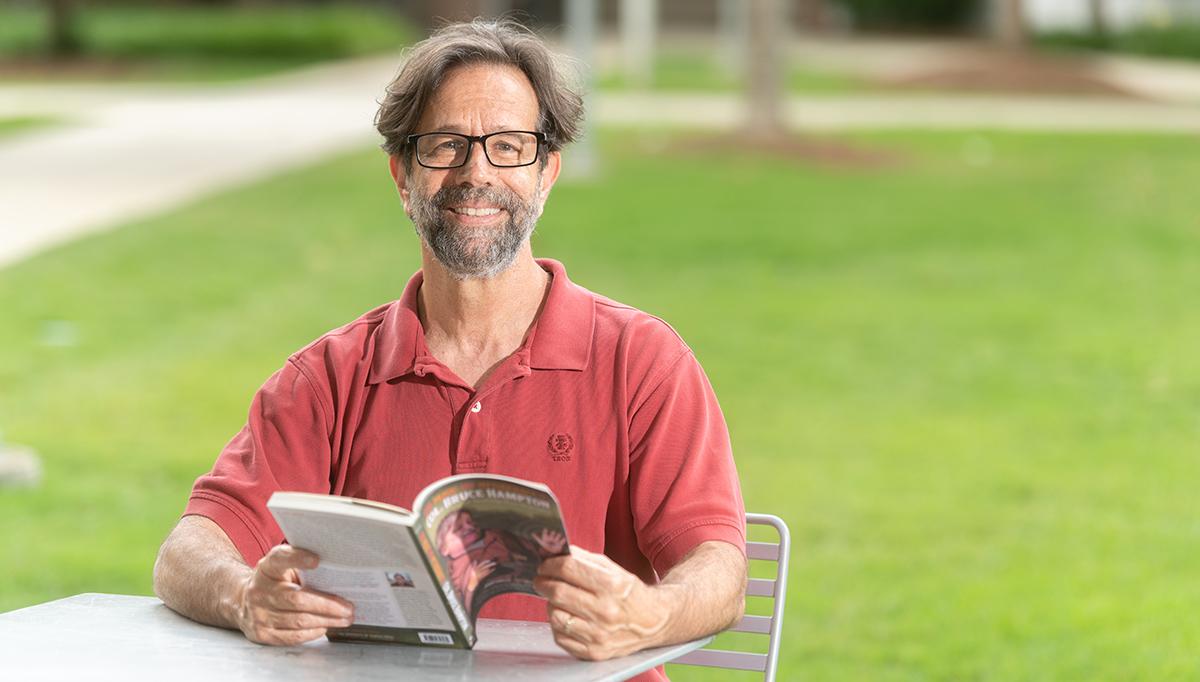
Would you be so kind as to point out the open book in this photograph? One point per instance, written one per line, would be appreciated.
(421, 577)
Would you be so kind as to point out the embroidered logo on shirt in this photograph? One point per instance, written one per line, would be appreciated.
(559, 445)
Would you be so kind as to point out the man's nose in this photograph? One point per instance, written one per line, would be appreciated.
(477, 166)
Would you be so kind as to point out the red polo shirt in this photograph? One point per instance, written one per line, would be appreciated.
(603, 403)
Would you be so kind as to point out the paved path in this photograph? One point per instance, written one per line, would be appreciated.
(898, 59)
(941, 112)
(135, 151)
(131, 151)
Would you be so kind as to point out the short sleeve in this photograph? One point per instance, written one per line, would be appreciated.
(283, 446)
(684, 484)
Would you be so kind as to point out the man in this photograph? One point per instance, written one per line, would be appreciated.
(490, 361)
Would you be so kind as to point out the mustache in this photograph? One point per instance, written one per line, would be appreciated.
(505, 199)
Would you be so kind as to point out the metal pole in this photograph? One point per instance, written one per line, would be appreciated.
(733, 26)
(581, 16)
(639, 24)
(494, 9)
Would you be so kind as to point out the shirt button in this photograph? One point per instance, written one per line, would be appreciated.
(477, 407)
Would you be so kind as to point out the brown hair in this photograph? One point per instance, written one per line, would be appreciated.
(504, 42)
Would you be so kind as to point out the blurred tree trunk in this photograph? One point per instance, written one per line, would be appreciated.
(813, 15)
(764, 83)
(455, 10)
(1010, 23)
(1099, 17)
(63, 39)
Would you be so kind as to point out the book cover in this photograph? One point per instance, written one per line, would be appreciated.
(421, 577)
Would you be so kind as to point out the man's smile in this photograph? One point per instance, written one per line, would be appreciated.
(476, 215)
(476, 210)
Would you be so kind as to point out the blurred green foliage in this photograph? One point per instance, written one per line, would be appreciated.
(267, 36)
(966, 377)
(912, 14)
(696, 71)
(18, 124)
(1177, 41)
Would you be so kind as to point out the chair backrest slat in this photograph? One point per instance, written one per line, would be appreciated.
(760, 587)
(717, 658)
(756, 624)
(766, 625)
(765, 551)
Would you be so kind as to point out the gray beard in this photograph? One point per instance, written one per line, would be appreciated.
(473, 253)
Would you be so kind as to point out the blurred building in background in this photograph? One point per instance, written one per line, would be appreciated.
(695, 15)
(1076, 15)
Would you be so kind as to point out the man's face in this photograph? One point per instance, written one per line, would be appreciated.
(465, 528)
(461, 533)
(475, 219)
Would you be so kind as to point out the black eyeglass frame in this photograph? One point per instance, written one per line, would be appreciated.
(471, 140)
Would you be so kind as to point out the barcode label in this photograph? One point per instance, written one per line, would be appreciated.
(435, 638)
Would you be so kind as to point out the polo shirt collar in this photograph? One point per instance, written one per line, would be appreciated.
(399, 340)
(561, 337)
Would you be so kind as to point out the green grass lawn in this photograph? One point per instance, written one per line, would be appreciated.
(970, 388)
(196, 43)
(20, 124)
(676, 70)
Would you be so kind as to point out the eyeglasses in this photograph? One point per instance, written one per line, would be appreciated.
(504, 149)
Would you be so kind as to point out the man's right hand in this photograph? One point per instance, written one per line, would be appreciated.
(273, 608)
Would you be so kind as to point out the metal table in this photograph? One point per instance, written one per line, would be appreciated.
(135, 639)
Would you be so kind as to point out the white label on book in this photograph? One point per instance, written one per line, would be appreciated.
(435, 638)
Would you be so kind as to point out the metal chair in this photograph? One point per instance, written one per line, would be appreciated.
(763, 625)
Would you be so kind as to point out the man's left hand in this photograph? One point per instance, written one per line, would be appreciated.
(597, 609)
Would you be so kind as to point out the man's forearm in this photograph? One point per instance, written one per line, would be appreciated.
(704, 593)
(200, 574)
(598, 610)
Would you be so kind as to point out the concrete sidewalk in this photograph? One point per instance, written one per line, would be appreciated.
(897, 59)
(130, 151)
(935, 112)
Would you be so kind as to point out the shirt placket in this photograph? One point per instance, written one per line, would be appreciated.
(482, 413)
(455, 393)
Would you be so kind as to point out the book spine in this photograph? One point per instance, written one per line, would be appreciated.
(465, 629)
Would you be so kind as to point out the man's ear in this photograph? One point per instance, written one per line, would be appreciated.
(400, 177)
(550, 173)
